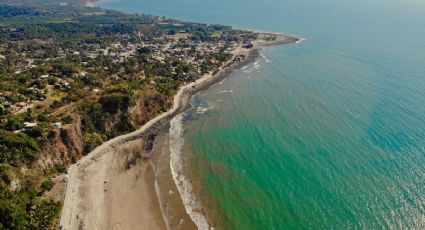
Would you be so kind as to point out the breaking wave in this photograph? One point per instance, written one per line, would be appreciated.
(257, 65)
(226, 91)
(184, 186)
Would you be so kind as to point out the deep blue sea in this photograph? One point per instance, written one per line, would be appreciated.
(326, 134)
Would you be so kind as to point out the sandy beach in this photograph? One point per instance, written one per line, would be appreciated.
(116, 186)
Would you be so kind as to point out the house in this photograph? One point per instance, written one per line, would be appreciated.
(34, 89)
(28, 126)
(228, 50)
(57, 125)
(66, 84)
(7, 104)
(248, 46)
(240, 58)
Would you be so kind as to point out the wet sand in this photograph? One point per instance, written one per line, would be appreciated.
(173, 210)
(124, 185)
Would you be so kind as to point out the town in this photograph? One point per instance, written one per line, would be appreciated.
(72, 77)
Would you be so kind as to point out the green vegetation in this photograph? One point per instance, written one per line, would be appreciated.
(24, 210)
(112, 103)
(68, 71)
(92, 140)
(18, 149)
(10, 11)
(47, 185)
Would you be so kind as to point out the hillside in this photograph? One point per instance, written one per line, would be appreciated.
(72, 77)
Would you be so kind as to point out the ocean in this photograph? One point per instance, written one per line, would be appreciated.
(325, 134)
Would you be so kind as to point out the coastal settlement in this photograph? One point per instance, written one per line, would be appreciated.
(73, 77)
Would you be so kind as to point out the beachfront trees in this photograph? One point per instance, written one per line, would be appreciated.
(86, 67)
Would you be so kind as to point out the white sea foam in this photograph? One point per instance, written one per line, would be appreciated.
(191, 204)
(257, 65)
(218, 83)
(264, 57)
(201, 110)
(226, 91)
(300, 40)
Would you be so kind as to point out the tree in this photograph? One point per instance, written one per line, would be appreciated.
(92, 140)
(47, 185)
(112, 103)
(14, 123)
(12, 216)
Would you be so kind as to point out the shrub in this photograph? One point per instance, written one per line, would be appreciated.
(12, 216)
(14, 123)
(42, 214)
(42, 117)
(17, 149)
(5, 173)
(57, 169)
(92, 140)
(47, 185)
(112, 103)
(67, 120)
(55, 104)
(35, 132)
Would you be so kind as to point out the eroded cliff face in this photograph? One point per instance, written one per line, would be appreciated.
(66, 144)
(147, 107)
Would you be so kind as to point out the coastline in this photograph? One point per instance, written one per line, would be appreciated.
(106, 180)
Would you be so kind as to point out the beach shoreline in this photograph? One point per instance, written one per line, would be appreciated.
(102, 193)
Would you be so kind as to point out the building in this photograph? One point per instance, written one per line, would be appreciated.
(57, 125)
(28, 126)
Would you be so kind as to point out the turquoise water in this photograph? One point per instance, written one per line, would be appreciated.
(329, 133)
